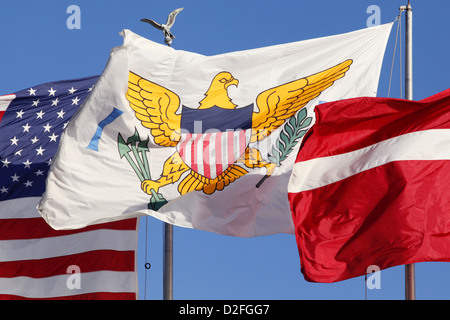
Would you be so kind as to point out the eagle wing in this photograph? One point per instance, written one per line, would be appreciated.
(153, 23)
(171, 18)
(155, 106)
(280, 103)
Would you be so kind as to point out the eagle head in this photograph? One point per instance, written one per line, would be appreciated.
(217, 94)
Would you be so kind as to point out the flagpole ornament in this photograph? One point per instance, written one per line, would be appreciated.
(168, 36)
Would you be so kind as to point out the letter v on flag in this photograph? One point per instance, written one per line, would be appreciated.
(369, 186)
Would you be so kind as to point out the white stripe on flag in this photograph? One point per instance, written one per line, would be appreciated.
(5, 101)
(422, 145)
(199, 138)
(225, 149)
(212, 155)
(56, 286)
(103, 239)
(21, 208)
(187, 150)
(236, 145)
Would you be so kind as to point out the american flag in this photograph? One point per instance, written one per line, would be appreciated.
(37, 262)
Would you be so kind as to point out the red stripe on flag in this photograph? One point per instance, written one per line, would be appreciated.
(206, 158)
(86, 296)
(352, 124)
(34, 228)
(5, 100)
(218, 154)
(194, 150)
(97, 260)
(242, 142)
(182, 149)
(230, 147)
(398, 213)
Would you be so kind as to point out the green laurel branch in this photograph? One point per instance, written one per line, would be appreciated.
(294, 129)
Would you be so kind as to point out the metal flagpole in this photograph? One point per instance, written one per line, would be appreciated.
(410, 291)
(168, 228)
(168, 262)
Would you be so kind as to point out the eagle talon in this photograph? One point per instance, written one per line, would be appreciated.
(148, 185)
(270, 168)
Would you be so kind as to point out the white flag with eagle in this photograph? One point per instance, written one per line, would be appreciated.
(204, 142)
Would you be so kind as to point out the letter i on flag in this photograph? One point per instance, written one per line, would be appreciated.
(369, 186)
(37, 262)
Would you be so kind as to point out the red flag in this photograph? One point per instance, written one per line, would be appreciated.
(369, 186)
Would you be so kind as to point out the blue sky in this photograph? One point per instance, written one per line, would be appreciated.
(38, 47)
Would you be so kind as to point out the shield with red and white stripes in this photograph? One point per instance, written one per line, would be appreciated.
(213, 139)
(210, 154)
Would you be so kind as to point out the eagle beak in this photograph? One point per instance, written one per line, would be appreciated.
(233, 81)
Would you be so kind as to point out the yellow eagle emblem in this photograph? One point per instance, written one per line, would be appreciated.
(157, 108)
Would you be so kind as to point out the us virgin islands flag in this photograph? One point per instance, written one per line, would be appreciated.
(204, 142)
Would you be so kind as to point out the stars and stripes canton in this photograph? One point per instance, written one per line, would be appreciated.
(31, 124)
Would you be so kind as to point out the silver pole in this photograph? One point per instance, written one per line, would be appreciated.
(408, 54)
(168, 262)
(168, 228)
(410, 290)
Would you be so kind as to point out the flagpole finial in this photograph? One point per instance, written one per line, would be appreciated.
(168, 36)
